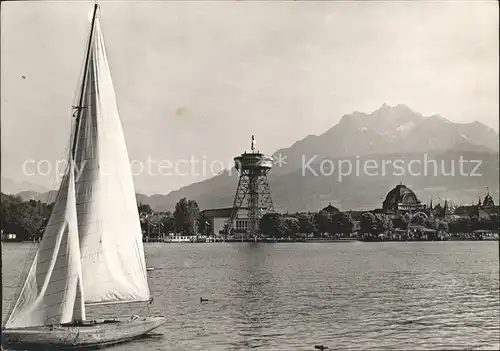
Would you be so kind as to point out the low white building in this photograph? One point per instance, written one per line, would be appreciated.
(218, 217)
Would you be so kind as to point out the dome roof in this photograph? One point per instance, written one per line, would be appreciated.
(488, 200)
(330, 209)
(400, 194)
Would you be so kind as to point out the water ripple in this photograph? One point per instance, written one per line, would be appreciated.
(387, 296)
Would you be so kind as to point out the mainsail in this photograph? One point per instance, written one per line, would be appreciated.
(112, 253)
(52, 292)
(92, 250)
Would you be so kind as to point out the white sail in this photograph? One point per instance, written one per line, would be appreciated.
(112, 252)
(52, 292)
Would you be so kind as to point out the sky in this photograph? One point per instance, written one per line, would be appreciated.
(196, 79)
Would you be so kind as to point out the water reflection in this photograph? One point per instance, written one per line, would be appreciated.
(253, 291)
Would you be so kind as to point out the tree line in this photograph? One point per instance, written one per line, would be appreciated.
(24, 218)
(27, 219)
(319, 223)
(343, 224)
(185, 219)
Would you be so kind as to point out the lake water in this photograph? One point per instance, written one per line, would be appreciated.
(395, 295)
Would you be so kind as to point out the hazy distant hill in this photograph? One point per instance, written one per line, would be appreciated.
(50, 196)
(10, 186)
(388, 134)
(47, 196)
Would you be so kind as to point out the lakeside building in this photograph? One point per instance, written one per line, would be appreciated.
(481, 209)
(401, 200)
(218, 218)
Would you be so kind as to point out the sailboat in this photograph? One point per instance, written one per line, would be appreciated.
(91, 251)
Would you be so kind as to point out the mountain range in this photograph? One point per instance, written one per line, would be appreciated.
(302, 178)
(10, 186)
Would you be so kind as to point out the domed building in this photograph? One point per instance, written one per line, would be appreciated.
(330, 209)
(488, 201)
(481, 209)
(401, 199)
(488, 206)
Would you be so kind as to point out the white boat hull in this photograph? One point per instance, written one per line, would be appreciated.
(64, 337)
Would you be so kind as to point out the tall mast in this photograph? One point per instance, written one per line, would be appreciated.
(79, 107)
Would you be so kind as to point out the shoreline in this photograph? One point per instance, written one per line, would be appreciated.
(313, 241)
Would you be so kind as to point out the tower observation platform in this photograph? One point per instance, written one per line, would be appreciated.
(253, 192)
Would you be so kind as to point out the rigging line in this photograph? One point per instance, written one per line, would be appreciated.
(148, 306)
(84, 82)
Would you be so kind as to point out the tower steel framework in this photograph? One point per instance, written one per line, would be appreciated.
(253, 192)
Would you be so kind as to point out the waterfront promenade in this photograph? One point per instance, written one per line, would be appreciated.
(207, 240)
(328, 239)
